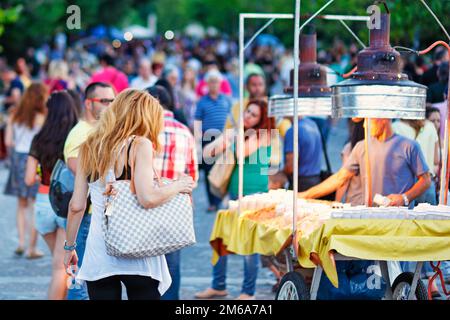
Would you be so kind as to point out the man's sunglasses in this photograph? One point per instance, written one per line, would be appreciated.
(105, 102)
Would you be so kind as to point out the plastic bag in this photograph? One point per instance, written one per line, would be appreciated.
(358, 280)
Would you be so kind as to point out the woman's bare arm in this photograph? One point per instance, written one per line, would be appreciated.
(77, 206)
(9, 135)
(30, 172)
(149, 195)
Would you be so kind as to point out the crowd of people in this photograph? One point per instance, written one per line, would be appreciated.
(84, 106)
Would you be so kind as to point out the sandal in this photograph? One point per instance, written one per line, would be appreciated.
(19, 251)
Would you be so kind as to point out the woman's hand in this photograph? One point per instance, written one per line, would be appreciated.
(70, 259)
(185, 184)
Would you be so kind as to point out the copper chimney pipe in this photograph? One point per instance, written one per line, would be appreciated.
(312, 76)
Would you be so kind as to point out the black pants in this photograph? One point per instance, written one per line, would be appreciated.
(110, 288)
(304, 182)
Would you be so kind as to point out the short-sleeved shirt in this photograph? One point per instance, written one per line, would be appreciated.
(213, 112)
(256, 173)
(179, 154)
(15, 84)
(77, 136)
(310, 147)
(426, 139)
(395, 164)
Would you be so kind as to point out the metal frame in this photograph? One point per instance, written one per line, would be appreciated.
(244, 45)
(318, 271)
(384, 272)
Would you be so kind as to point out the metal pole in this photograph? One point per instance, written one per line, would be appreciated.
(436, 18)
(443, 194)
(344, 17)
(267, 15)
(258, 33)
(241, 111)
(368, 192)
(352, 33)
(446, 168)
(296, 151)
(315, 14)
(242, 47)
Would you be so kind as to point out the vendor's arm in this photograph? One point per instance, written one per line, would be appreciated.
(289, 164)
(337, 180)
(328, 186)
(418, 189)
(418, 165)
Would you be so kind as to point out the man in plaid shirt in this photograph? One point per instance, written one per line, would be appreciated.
(177, 157)
(178, 154)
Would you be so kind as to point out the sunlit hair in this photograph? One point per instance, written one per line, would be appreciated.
(33, 102)
(58, 69)
(133, 112)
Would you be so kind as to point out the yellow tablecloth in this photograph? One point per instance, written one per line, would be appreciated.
(389, 240)
(234, 234)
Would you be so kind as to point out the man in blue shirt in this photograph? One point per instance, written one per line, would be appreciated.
(310, 154)
(398, 167)
(210, 117)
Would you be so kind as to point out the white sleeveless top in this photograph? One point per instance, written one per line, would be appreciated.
(97, 264)
(23, 136)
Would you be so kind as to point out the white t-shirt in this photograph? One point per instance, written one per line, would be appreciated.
(141, 84)
(23, 136)
(97, 264)
(426, 138)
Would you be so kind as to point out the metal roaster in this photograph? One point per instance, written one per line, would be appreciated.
(379, 89)
(314, 95)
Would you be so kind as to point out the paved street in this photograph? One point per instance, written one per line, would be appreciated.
(24, 279)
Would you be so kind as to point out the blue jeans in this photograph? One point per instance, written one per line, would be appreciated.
(250, 274)
(81, 293)
(250, 270)
(173, 262)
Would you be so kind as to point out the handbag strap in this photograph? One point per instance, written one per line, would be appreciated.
(324, 149)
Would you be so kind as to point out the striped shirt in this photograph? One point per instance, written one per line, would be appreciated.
(213, 112)
(178, 154)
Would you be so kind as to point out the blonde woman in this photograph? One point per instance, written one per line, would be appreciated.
(127, 130)
(58, 75)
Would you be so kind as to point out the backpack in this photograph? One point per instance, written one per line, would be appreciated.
(62, 183)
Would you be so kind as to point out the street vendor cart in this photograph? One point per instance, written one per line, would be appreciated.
(312, 250)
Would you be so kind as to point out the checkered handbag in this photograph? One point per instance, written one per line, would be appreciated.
(131, 231)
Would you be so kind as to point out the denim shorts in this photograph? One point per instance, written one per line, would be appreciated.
(46, 219)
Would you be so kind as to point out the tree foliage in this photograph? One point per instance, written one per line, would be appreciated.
(40, 20)
(409, 18)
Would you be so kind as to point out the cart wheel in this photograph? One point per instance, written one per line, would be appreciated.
(292, 287)
(402, 287)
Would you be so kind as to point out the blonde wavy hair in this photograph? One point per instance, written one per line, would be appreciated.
(133, 112)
